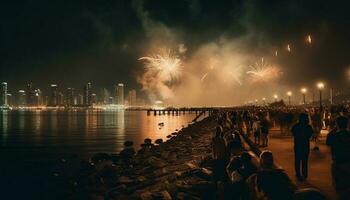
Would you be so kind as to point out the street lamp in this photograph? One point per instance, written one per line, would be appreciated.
(289, 94)
(303, 91)
(275, 97)
(264, 100)
(320, 87)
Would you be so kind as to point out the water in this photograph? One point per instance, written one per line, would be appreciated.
(32, 143)
(45, 135)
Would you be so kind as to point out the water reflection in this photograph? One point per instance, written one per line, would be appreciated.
(55, 133)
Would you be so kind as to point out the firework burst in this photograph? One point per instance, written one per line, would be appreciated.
(263, 72)
(166, 64)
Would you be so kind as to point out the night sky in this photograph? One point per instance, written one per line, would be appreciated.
(73, 42)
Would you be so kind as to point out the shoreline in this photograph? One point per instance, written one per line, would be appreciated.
(178, 168)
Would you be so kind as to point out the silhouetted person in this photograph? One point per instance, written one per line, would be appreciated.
(264, 125)
(302, 132)
(269, 182)
(128, 153)
(219, 155)
(339, 142)
(256, 131)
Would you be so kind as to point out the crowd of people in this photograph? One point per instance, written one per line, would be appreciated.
(264, 181)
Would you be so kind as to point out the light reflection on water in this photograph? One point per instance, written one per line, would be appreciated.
(53, 134)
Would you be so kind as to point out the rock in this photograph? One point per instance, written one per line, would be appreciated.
(124, 179)
(156, 162)
(99, 157)
(146, 196)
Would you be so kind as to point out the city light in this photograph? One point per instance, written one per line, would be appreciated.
(289, 93)
(320, 85)
(303, 90)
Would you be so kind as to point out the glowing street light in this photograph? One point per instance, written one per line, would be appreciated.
(275, 97)
(264, 100)
(320, 87)
(289, 94)
(303, 91)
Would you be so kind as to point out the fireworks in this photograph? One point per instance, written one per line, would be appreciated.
(162, 71)
(288, 48)
(263, 72)
(166, 64)
(309, 39)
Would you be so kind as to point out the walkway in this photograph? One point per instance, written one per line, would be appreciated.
(319, 163)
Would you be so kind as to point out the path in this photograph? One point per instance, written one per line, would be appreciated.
(319, 163)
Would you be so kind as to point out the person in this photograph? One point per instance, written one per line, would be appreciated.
(128, 153)
(317, 125)
(269, 182)
(264, 132)
(302, 132)
(238, 170)
(339, 142)
(219, 155)
(256, 131)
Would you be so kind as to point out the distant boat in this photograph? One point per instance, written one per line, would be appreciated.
(161, 124)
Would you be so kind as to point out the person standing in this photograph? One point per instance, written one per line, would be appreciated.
(264, 126)
(256, 130)
(302, 132)
(339, 142)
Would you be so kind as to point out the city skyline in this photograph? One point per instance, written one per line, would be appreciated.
(68, 97)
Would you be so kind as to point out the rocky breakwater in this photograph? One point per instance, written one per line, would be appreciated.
(180, 168)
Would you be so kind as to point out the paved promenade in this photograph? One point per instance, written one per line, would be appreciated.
(319, 163)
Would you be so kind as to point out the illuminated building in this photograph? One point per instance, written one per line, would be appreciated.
(9, 99)
(60, 99)
(132, 98)
(37, 100)
(93, 98)
(120, 94)
(3, 98)
(70, 97)
(80, 99)
(87, 95)
(53, 95)
(104, 96)
(30, 95)
(21, 99)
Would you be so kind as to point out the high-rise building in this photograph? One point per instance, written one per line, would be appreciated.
(80, 99)
(30, 95)
(60, 99)
(9, 99)
(120, 94)
(132, 98)
(87, 94)
(53, 95)
(37, 98)
(3, 98)
(70, 97)
(104, 96)
(93, 98)
(21, 98)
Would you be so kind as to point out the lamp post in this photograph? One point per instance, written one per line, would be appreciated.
(264, 100)
(289, 94)
(303, 91)
(275, 97)
(320, 87)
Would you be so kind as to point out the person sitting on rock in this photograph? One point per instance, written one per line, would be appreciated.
(269, 182)
(219, 155)
(128, 153)
(147, 148)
